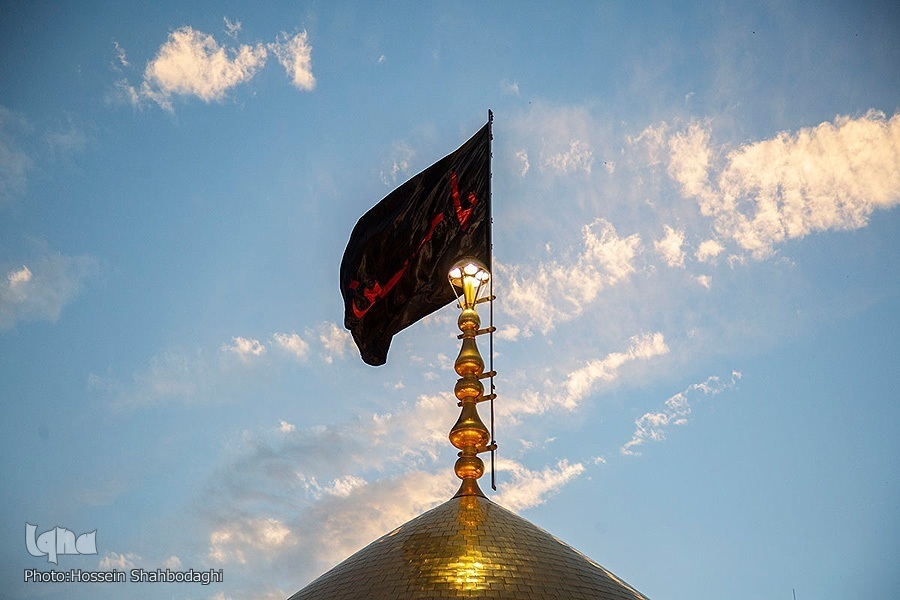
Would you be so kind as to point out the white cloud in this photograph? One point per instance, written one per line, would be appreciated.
(522, 155)
(233, 541)
(509, 87)
(669, 247)
(192, 63)
(689, 159)
(335, 341)
(295, 55)
(245, 348)
(344, 486)
(232, 29)
(173, 562)
(652, 426)
(381, 59)
(115, 561)
(120, 55)
(531, 488)
(293, 343)
(577, 157)
(550, 293)
(708, 250)
(828, 177)
(704, 280)
(285, 427)
(580, 382)
(41, 291)
(401, 156)
(509, 332)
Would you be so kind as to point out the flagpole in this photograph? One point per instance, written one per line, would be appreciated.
(491, 293)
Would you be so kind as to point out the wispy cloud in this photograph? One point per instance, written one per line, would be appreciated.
(509, 87)
(559, 141)
(232, 28)
(542, 296)
(577, 157)
(201, 376)
(398, 163)
(121, 58)
(580, 382)
(828, 177)
(295, 55)
(14, 162)
(653, 426)
(40, 291)
(531, 488)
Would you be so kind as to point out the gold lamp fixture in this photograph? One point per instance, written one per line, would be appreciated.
(468, 278)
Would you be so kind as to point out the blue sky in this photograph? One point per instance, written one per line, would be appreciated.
(696, 260)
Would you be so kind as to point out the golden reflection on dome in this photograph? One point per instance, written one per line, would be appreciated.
(468, 547)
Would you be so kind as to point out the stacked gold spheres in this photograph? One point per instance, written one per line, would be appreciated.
(469, 434)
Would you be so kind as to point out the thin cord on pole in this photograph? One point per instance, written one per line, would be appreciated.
(491, 344)
(491, 292)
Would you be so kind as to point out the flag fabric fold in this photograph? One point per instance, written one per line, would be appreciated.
(394, 269)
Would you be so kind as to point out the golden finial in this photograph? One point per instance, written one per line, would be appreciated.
(469, 434)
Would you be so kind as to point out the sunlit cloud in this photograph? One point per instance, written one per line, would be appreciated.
(292, 343)
(295, 55)
(546, 294)
(234, 540)
(245, 348)
(285, 427)
(335, 341)
(828, 177)
(192, 63)
(669, 247)
(708, 250)
(580, 382)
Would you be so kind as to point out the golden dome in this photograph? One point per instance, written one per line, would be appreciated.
(468, 547)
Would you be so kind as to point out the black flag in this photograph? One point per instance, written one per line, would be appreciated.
(394, 270)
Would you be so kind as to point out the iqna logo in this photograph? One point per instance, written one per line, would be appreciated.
(58, 540)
